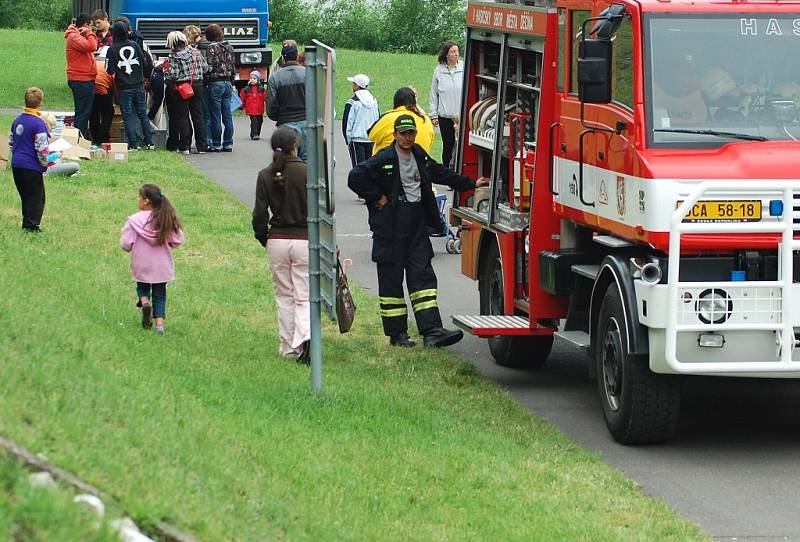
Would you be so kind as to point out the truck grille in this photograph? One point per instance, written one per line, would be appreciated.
(237, 31)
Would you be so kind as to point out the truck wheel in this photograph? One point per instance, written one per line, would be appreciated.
(519, 352)
(640, 407)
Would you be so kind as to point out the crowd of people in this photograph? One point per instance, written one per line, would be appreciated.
(392, 170)
(110, 63)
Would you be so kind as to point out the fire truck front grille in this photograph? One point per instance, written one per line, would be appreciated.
(796, 211)
(237, 31)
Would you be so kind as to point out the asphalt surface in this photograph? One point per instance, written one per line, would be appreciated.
(734, 467)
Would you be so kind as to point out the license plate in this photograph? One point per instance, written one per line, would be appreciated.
(724, 211)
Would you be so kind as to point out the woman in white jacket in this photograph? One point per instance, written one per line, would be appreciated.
(445, 96)
(360, 113)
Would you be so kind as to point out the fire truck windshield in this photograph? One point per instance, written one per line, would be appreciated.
(712, 79)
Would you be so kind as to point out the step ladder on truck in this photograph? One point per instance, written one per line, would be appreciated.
(644, 194)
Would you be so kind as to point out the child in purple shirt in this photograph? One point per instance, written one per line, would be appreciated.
(150, 235)
(29, 150)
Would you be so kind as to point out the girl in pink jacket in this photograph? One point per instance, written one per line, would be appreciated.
(150, 236)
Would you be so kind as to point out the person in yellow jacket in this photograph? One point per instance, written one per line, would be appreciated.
(405, 102)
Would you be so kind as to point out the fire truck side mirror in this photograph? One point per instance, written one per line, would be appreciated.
(594, 71)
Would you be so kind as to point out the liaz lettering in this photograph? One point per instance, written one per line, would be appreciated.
(236, 31)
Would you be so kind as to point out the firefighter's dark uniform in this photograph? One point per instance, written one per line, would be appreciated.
(400, 242)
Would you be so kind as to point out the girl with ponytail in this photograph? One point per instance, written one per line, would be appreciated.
(280, 223)
(150, 235)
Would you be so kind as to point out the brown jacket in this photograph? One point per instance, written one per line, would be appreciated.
(280, 211)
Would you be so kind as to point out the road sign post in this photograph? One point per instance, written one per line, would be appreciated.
(320, 62)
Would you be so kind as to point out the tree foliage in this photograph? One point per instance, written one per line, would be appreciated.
(35, 14)
(414, 26)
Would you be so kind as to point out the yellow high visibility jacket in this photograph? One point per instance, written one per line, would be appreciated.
(382, 132)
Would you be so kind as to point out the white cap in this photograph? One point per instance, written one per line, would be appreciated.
(360, 80)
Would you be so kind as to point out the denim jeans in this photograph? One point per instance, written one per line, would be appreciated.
(219, 95)
(157, 294)
(207, 115)
(133, 103)
(83, 98)
(299, 126)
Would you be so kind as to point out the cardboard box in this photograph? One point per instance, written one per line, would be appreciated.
(117, 152)
(4, 153)
(72, 135)
(81, 148)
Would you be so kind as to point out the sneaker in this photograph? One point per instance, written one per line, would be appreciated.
(214, 149)
(147, 315)
(227, 149)
(185, 153)
(201, 152)
(160, 329)
(133, 149)
(255, 138)
(151, 147)
(402, 340)
(439, 337)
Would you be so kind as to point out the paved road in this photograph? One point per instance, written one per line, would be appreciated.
(734, 467)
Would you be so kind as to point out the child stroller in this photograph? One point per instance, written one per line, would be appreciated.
(453, 245)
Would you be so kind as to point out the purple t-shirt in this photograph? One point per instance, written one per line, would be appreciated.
(28, 141)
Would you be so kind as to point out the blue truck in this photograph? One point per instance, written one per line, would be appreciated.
(245, 24)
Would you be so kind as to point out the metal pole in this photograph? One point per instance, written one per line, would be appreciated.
(313, 126)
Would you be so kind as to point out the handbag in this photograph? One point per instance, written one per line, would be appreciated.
(236, 101)
(185, 89)
(345, 307)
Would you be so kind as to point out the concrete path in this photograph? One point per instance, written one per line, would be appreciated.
(734, 467)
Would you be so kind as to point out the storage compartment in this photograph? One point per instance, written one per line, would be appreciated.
(555, 268)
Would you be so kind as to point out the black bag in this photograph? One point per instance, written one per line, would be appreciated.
(345, 307)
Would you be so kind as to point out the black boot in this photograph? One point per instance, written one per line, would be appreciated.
(439, 337)
(402, 340)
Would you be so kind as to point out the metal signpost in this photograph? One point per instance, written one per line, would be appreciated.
(320, 62)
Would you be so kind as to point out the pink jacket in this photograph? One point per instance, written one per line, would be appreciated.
(150, 262)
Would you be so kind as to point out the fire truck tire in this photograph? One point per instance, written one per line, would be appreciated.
(518, 352)
(640, 407)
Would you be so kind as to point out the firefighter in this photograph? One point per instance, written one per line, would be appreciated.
(396, 184)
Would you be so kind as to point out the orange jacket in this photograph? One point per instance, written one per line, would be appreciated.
(103, 81)
(80, 54)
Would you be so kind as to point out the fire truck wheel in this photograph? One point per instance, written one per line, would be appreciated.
(640, 407)
(519, 352)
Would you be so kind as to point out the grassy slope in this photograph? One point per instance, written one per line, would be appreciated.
(44, 66)
(208, 427)
(36, 513)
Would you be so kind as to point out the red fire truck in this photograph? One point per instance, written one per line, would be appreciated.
(645, 177)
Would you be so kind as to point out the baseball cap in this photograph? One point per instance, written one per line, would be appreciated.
(289, 52)
(405, 123)
(360, 80)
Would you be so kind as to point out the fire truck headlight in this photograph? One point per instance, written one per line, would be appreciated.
(714, 306)
(250, 58)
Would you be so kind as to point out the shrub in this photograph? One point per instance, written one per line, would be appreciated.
(35, 14)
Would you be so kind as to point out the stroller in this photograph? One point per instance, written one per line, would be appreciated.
(453, 245)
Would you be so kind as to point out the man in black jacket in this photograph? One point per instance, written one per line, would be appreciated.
(286, 96)
(396, 184)
(130, 66)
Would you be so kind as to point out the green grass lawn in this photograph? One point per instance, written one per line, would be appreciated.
(45, 67)
(38, 513)
(209, 428)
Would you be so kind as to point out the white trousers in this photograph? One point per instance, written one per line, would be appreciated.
(288, 259)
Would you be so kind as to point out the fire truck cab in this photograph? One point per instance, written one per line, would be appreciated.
(643, 158)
